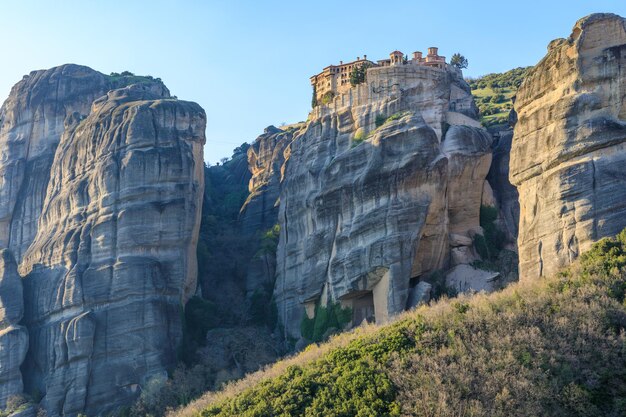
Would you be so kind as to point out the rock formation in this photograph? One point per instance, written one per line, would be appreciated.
(101, 197)
(366, 207)
(569, 146)
(259, 214)
(13, 337)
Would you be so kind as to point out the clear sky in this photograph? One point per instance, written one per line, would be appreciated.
(248, 63)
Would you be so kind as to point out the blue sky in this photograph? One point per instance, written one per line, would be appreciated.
(248, 62)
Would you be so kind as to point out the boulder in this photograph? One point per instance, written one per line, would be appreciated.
(466, 278)
(420, 294)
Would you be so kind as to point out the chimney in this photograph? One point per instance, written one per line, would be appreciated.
(358, 58)
(364, 56)
(340, 62)
(417, 55)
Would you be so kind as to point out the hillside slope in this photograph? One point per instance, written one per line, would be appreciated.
(494, 95)
(551, 347)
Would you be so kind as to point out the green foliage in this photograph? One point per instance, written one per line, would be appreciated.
(269, 242)
(459, 61)
(200, 316)
(329, 318)
(492, 241)
(126, 78)
(348, 381)
(551, 348)
(494, 93)
(241, 149)
(328, 97)
(15, 404)
(359, 137)
(358, 74)
(380, 120)
(314, 98)
(263, 310)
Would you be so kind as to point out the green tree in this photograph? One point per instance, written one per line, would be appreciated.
(358, 74)
(459, 61)
(314, 98)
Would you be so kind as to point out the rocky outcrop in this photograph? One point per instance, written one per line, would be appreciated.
(259, 214)
(31, 125)
(112, 184)
(506, 195)
(366, 209)
(569, 146)
(13, 337)
(266, 157)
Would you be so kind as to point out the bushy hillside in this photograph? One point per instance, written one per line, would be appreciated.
(553, 347)
(493, 94)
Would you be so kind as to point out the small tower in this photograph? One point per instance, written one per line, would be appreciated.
(432, 51)
(396, 58)
(417, 56)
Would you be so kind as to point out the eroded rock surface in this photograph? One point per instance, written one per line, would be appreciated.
(101, 198)
(13, 336)
(569, 146)
(365, 211)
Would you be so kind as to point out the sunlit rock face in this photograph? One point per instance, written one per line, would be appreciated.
(113, 182)
(568, 152)
(366, 211)
(31, 125)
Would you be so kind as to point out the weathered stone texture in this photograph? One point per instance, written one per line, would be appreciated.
(365, 218)
(112, 183)
(13, 337)
(569, 146)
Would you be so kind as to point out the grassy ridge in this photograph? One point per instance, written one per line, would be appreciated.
(551, 347)
(493, 94)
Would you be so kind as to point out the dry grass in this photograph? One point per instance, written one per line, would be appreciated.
(309, 355)
(435, 311)
(548, 347)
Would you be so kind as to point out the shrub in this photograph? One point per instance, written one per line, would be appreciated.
(492, 241)
(328, 97)
(329, 318)
(200, 316)
(459, 61)
(552, 347)
(269, 242)
(380, 120)
(263, 310)
(358, 74)
(314, 97)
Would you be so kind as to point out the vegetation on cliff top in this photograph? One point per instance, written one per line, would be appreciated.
(551, 347)
(493, 94)
(126, 78)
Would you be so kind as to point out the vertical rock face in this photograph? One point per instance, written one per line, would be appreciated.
(366, 209)
(569, 146)
(266, 161)
(113, 255)
(505, 193)
(13, 337)
(31, 125)
(266, 157)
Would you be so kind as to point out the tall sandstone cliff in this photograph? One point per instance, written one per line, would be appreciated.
(367, 211)
(101, 182)
(569, 147)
